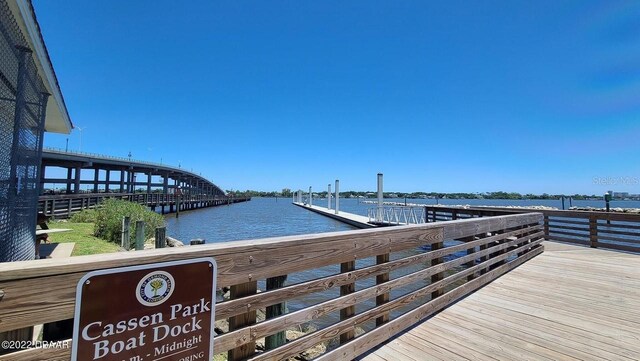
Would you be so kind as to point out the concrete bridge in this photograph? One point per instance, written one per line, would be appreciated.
(92, 177)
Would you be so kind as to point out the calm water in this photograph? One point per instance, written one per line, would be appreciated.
(271, 217)
(259, 218)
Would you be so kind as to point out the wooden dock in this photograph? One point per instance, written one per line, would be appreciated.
(345, 217)
(487, 288)
(570, 303)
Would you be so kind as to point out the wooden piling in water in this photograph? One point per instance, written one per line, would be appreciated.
(279, 338)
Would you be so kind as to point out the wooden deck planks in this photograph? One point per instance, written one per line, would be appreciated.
(569, 303)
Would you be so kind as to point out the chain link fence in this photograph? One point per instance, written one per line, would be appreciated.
(23, 99)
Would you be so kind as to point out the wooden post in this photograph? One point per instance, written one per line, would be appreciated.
(347, 312)
(500, 263)
(177, 205)
(125, 241)
(239, 321)
(593, 231)
(546, 227)
(473, 261)
(383, 298)
(438, 276)
(277, 339)
(161, 237)
(139, 235)
(483, 258)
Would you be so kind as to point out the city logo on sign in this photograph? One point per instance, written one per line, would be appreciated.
(155, 288)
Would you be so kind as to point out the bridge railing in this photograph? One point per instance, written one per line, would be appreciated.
(374, 282)
(610, 230)
(111, 157)
(63, 206)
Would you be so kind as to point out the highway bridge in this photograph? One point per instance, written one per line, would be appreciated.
(90, 178)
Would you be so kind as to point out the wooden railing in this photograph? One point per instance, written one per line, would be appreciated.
(618, 231)
(373, 283)
(63, 206)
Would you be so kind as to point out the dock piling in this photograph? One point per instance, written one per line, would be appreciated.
(139, 235)
(125, 242)
(337, 195)
(380, 199)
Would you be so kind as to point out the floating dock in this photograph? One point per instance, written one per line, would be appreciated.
(345, 217)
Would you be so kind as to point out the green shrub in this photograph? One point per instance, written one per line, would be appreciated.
(85, 216)
(109, 215)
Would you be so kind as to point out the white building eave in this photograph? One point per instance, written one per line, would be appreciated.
(57, 117)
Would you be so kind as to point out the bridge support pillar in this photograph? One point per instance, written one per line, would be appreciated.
(96, 178)
(106, 181)
(122, 181)
(69, 170)
(76, 181)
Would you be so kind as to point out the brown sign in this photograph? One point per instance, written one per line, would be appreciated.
(162, 311)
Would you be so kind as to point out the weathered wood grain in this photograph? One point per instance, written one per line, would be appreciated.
(233, 307)
(351, 299)
(381, 334)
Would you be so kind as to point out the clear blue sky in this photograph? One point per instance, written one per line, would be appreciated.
(446, 96)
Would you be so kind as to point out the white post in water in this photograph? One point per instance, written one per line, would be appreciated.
(337, 195)
(380, 203)
(310, 197)
(329, 196)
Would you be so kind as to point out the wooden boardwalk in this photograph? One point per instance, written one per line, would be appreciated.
(570, 303)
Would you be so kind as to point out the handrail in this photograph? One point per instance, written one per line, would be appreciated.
(486, 248)
(595, 229)
(396, 215)
(121, 159)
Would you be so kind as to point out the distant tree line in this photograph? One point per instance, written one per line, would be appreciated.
(286, 192)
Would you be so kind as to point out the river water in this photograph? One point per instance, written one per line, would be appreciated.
(272, 217)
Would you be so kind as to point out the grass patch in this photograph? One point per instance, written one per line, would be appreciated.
(82, 236)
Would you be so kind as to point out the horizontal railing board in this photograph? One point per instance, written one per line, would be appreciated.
(294, 347)
(585, 228)
(21, 304)
(615, 231)
(382, 334)
(575, 234)
(620, 247)
(237, 306)
(48, 267)
(583, 242)
(236, 338)
(473, 226)
(568, 221)
(418, 234)
(617, 239)
(618, 225)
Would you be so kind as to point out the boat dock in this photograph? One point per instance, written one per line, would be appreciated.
(570, 303)
(345, 217)
(485, 288)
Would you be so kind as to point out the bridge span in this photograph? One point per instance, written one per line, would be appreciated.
(90, 178)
